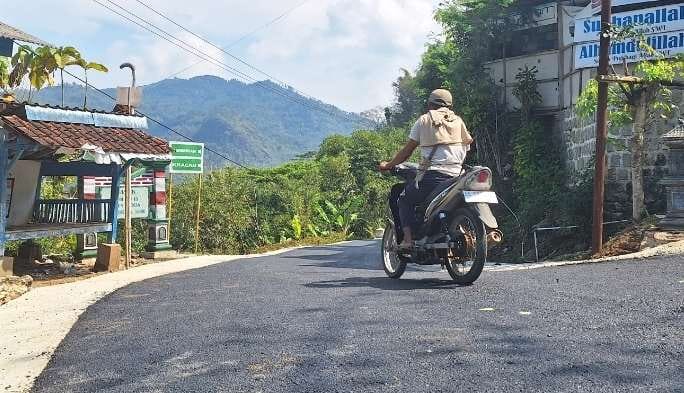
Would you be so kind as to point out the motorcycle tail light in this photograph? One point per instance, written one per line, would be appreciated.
(480, 181)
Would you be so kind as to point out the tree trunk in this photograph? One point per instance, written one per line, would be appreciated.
(85, 93)
(61, 77)
(638, 132)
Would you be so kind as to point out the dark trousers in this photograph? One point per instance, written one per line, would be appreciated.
(404, 198)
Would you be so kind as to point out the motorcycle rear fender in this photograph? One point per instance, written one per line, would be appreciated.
(484, 212)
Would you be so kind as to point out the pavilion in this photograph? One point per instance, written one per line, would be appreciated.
(42, 141)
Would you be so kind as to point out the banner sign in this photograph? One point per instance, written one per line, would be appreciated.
(646, 21)
(140, 200)
(187, 157)
(596, 4)
(668, 45)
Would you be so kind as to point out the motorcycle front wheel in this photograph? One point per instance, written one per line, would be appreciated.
(393, 264)
(465, 265)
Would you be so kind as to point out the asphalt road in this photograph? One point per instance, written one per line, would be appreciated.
(327, 319)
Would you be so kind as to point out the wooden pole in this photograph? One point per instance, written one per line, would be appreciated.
(168, 233)
(601, 128)
(4, 171)
(127, 216)
(199, 206)
(114, 203)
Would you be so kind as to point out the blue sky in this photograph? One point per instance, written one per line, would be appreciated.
(345, 52)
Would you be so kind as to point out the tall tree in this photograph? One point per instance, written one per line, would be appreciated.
(407, 99)
(65, 56)
(86, 65)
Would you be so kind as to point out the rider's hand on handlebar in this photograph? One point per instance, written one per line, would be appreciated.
(385, 166)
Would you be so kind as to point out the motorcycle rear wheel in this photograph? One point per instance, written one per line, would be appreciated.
(393, 263)
(465, 269)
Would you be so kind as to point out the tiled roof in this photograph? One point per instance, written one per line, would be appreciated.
(72, 135)
(7, 31)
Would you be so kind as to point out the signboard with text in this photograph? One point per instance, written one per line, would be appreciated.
(662, 27)
(654, 20)
(667, 45)
(140, 200)
(187, 157)
(596, 4)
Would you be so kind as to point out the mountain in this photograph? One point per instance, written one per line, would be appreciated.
(259, 124)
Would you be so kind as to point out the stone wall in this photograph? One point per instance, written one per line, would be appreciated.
(578, 138)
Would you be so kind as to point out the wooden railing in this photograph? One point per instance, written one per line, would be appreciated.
(63, 211)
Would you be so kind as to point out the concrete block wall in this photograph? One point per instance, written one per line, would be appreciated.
(578, 137)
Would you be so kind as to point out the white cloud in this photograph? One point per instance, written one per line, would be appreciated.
(346, 52)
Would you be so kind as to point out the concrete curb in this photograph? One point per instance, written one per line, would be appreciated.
(35, 324)
(671, 249)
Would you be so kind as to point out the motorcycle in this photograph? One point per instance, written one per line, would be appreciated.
(457, 227)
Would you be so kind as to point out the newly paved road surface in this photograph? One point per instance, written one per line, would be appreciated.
(327, 319)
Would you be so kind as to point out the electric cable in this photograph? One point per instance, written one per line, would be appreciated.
(245, 36)
(206, 57)
(238, 59)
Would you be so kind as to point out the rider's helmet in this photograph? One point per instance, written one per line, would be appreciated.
(441, 98)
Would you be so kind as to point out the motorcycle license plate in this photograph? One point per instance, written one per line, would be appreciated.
(480, 197)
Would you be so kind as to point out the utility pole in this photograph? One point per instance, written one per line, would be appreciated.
(601, 127)
(128, 227)
(127, 216)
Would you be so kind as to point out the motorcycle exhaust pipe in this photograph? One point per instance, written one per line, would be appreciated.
(495, 236)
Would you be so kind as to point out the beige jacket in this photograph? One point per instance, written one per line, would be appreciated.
(442, 127)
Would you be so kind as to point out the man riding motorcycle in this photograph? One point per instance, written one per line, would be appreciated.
(444, 142)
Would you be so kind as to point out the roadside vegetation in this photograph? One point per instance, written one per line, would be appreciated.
(337, 190)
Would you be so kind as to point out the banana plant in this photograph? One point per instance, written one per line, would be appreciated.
(89, 65)
(37, 64)
(4, 75)
(21, 65)
(42, 65)
(337, 218)
(296, 224)
(65, 56)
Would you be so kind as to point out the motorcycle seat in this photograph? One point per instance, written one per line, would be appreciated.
(440, 187)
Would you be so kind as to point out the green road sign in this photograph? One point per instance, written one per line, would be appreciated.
(187, 157)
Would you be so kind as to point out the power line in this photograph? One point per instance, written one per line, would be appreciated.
(209, 42)
(238, 59)
(243, 37)
(202, 55)
(147, 116)
(213, 60)
(180, 43)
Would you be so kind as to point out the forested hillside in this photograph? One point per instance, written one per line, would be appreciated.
(253, 124)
